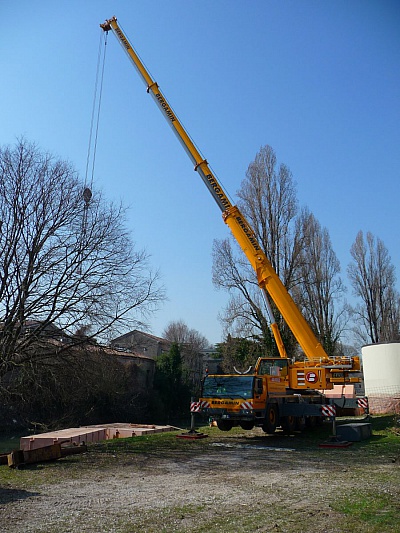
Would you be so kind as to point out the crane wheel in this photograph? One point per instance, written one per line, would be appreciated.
(300, 423)
(271, 419)
(289, 424)
(311, 421)
(247, 425)
(224, 425)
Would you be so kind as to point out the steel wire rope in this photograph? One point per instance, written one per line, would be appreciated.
(95, 119)
(101, 59)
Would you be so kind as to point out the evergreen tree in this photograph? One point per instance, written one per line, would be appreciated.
(174, 394)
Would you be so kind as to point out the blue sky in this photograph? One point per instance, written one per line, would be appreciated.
(318, 81)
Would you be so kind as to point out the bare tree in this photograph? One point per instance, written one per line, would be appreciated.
(372, 276)
(179, 332)
(65, 263)
(245, 315)
(321, 293)
(268, 201)
(300, 252)
(191, 344)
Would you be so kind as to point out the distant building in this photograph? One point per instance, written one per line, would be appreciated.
(211, 364)
(141, 343)
(44, 331)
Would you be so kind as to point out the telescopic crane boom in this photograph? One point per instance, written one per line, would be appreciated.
(268, 280)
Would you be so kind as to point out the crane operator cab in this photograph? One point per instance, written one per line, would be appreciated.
(276, 371)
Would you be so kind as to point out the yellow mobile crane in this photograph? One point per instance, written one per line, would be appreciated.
(276, 382)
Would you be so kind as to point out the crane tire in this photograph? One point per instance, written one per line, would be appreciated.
(271, 419)
(311, 421)
(300, 423)
(247, 425)
(288, 423)
(224, 425)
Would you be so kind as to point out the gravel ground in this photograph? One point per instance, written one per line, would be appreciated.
(231, 485)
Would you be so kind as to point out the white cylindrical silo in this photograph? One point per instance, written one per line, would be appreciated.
(381, 365)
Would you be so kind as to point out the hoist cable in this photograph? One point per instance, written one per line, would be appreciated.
(98, 109)
(87, 191)
(96, 102)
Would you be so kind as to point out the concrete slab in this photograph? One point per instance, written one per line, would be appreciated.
(89, 434)
(69, 436)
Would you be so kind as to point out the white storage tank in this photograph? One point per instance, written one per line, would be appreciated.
(381, 365)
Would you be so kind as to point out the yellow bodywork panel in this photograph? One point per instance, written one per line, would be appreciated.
(303, 378)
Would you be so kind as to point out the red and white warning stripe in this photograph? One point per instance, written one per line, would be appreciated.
(195, 407)
(246, 405)
(362, 402)
(328, 410)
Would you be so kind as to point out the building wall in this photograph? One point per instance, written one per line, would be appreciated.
(141, 343)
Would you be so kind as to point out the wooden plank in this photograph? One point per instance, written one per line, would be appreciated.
(47, 453)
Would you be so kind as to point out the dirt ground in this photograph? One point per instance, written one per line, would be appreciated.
(227, 485)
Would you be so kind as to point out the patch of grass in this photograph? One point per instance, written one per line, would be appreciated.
(384, 443)
(376, 510)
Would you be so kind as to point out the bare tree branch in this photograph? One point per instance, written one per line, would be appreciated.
(321, 294)
(268, 201)
(191, 343)
(299, 250)
(62, 266)
(372, 276)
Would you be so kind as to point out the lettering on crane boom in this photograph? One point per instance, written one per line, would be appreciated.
(248, 232)
(165, 107)
(218, 192)
(122, 38)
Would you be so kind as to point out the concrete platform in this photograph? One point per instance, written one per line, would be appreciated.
(354, 432)
(89, 434)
